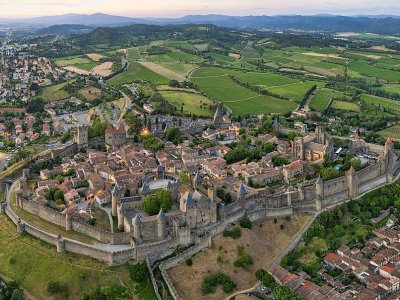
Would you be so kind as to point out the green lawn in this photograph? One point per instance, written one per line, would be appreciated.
(137, 72)
(32, 263)
(193, 103)
(54, 92)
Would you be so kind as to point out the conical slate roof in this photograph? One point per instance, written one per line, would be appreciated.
(218, 112)
(241, 190)
(145, 187)
(137, 220)
(319, 180)
(122, 208)
(161, 215)
(116, 191)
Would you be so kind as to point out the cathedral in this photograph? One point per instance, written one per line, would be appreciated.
(314, 146)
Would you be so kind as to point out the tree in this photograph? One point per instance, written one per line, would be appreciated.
(58, 195)
(65, 137)
(134, 123)
(17, 294)
(174, 135)
(138, 272)
(35, 105)
(161, 200)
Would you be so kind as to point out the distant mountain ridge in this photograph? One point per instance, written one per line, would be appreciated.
(382, 24)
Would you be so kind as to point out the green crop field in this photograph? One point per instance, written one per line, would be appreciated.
(54, 92)
(71, 61)
(239, 99)
(174, 56)
(379, 101)
(87, 66)
(221, 59)
(363, 68)
(137, 72)
(266, 79)
(343, 105)
(392, 88)
(195, 104)
(322, 98)
(179, 68)
(295, 91)
(214, 71)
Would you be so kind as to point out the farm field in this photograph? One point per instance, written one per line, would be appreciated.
(137, 72)
(20, 256)
(195, 104)
(392, 88)
(239, 99)
(221, 59)
(322, 98)
(54, 92)
(287, 87)
(159, 69)
(363, 68)
(263, 243)
(72, 60)
(393, 132)
(174, 56)
(379, 101)
(343, 105)
(90, 93)
(179, 68)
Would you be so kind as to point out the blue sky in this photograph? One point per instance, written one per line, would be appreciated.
(175, 8)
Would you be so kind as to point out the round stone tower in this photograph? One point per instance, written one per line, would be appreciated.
(162, 225)
(115, 198)
(137, 228)
(60, 244)
(121, 217)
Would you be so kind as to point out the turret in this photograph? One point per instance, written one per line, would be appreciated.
(389, 144)
(241, 193)
(68, 222)
(196, 181)
(121, 217)
(352, 182)
(319, 187)
(60, 244)
(145, 188)
(211, 193)
(115, 198)
(161, 225)
(20, 226)
(137, 228)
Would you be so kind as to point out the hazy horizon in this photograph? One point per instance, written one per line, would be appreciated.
(178, 8)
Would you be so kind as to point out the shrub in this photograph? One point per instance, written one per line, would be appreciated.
(275, 220)
(234, 233)
(244, 261)
(92, 221)
(246, 223)
(138, 272)
(287, 218)
(189, 261)
(211, 282)
(282, 227)
(53, 287)
(11, 260)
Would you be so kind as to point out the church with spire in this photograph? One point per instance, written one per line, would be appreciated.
(220, 120)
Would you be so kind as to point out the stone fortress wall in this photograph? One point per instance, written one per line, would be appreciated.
(175, 232)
